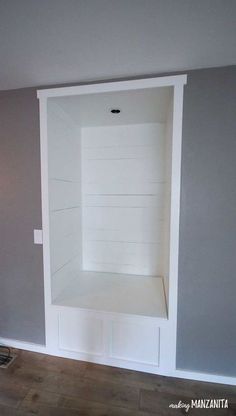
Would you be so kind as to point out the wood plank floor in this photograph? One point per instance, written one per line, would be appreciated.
(37, 384)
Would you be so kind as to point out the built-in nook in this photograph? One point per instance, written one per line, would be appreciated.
(110, 156)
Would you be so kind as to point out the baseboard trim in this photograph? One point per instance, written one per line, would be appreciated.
(22, 345)
(189, 375)
(211, 378)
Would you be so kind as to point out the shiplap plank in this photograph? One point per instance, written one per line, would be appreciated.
(124, 151)
(63, 147)
(125, 188)
(123, 257)
(129, 201)
(64, 222)
(121, 217)
(63, 194)
(123, 172)
(64, 250)
(66, 274)
(127, 135)
(123, 224)
(154, 235)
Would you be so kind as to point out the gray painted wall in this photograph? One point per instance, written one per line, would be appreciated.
(207, 259)
(207, 283)
(21, 270)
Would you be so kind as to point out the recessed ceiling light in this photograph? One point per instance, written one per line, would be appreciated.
(115, 110)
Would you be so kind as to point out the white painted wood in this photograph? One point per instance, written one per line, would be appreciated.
(80, 334)
(64, 222)
(65, 240)
(124, 188)
(22, 345)
(104, 232)
(64, 276)
(143, 105)
(64, 197)
(114, 148)
(127, 238)
(38, 237)
(49, 327)
(113, 292)
(63, 194)
(123, 138)
(124, 170)
(174, 80)
(127, 219)
(168, 327)
(171, 330)
(167, 198)
(63, 145)
(131, 201)
(123, 257)
(64, 251)
(135, 342)
(211, 378)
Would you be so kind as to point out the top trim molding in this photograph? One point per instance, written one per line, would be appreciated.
(167, 81)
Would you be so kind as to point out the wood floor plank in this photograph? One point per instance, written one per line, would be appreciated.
(65, 366)
(37, 384)
(11, 411)
(24, 374)
(54, 411)
(97, 409)
(214, 390)
(28, 371)
(119, 375)
(38, 401)
(11, 393)
(36, 398)
(99, 391)
(159, 403)
(49, 362)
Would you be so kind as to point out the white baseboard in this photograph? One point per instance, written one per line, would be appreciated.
(189, 375)
(22, 345)
(211, 378)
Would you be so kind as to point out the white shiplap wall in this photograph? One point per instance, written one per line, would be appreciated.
(64, 198)
(123, 177)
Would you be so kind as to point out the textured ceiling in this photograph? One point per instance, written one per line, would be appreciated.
(46, 42)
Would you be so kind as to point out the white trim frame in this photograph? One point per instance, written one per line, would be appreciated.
(169, 81)
(175, 219)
